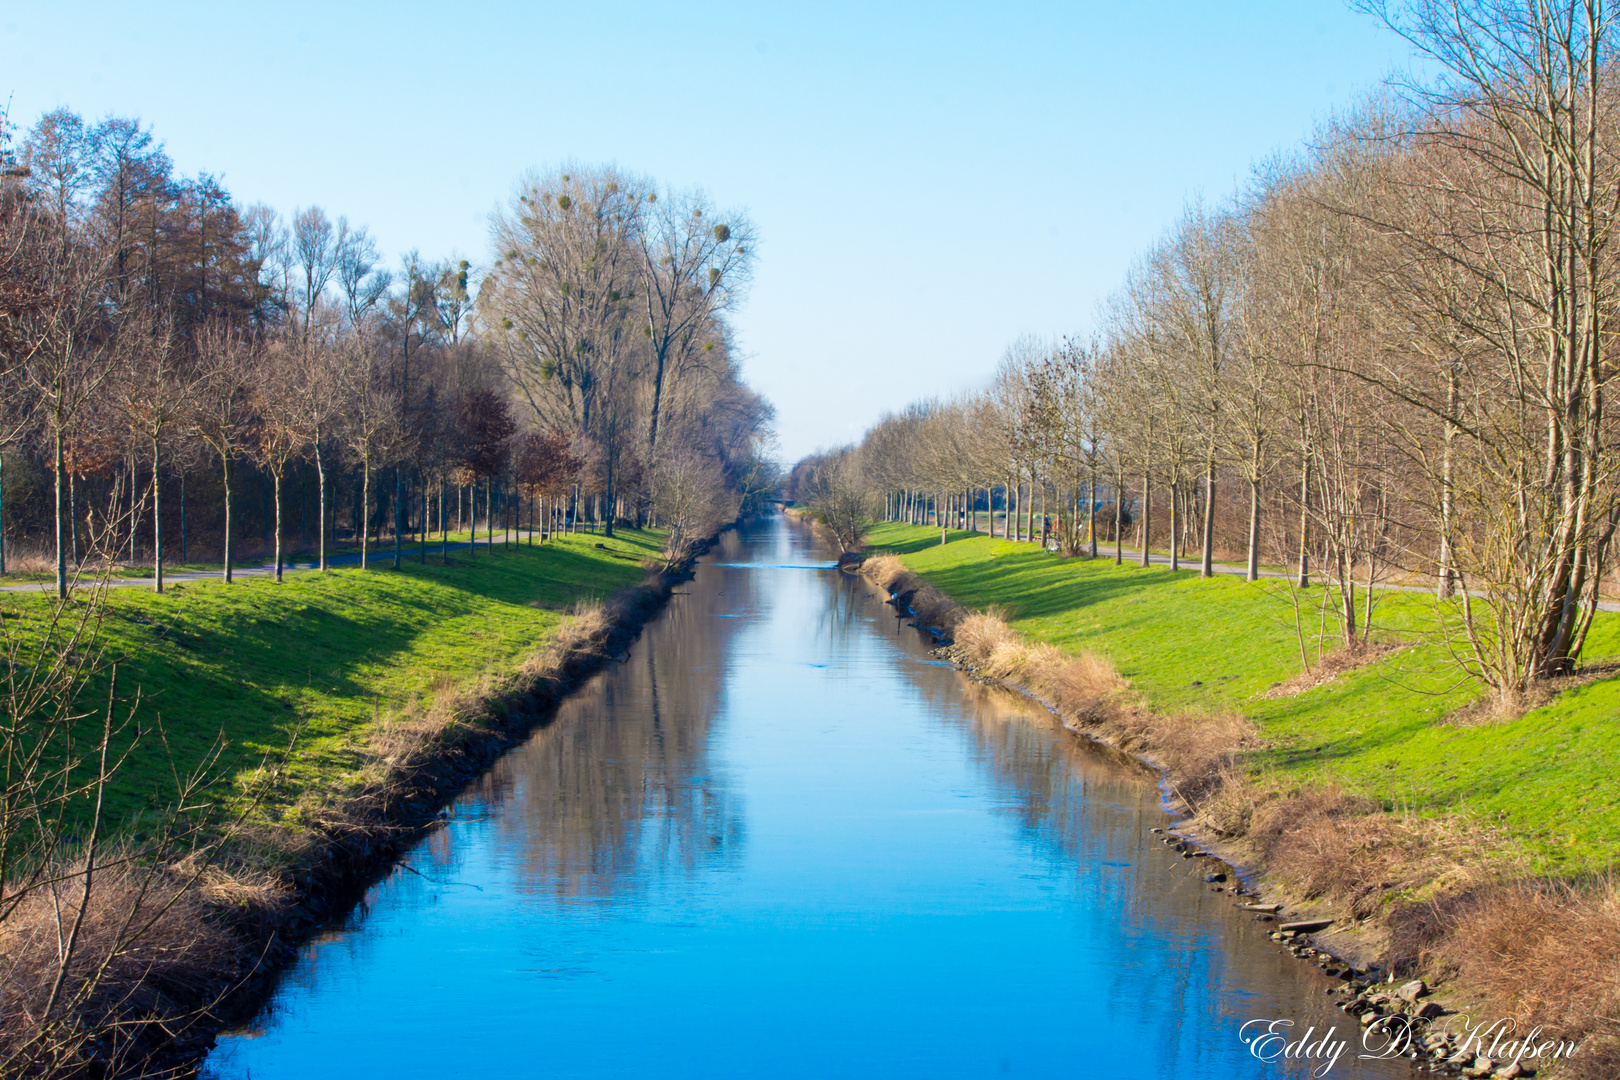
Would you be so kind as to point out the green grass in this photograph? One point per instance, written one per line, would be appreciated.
(322, 655)
(1552, 776)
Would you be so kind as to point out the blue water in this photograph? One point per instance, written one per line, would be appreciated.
(782, 840)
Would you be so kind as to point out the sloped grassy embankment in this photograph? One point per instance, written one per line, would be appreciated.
(1472, 850)
(391, 688)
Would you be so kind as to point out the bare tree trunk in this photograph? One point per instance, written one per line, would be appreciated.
(73, 517)
(1303, 577)
(1119, 517)
(1445, 583)
(320, 510)
(1175, 526)
(1347, 592)
(1147, 514)
(134, 508)
(225, 469)
(365, 510)
(157, 523)
(1254, 531)
(61, 518)
(276, 478)
(1207, 567)
(1091, 511)
(399, 512)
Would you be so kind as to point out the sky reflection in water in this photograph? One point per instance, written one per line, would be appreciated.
(782, 840)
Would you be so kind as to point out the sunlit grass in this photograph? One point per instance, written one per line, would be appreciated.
(1383, 729)
(321, 656)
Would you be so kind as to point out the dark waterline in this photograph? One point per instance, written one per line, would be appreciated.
(781, 840)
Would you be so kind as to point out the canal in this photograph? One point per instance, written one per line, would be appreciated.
(781, 839)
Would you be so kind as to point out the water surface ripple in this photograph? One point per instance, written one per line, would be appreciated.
(782, 840)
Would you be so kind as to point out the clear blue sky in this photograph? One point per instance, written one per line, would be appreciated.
(929, 179)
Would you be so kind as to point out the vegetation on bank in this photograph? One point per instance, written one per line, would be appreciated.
(192, 780)
(1395, 729)
(317, 661)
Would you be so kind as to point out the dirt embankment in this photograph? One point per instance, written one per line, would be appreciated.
(218, 926)
(1385, 901)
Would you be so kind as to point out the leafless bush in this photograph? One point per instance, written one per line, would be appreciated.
(147, 946)
(840, 501)
(107, 946)
(693, 500)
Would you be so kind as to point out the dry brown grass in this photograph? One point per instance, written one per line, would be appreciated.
(978, 635)
(26, 558)
(930, 607)
(1542, 952)
(1322, 842)
(149, 946)
(885, 570)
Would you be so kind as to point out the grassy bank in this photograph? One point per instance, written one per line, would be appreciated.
(1386, 730)
(394, 688)
(323, 658)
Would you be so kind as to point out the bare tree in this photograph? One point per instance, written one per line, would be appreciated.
(315, 253)
(156, 383)
(223, 417)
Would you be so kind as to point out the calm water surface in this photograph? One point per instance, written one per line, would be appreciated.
(781, 840)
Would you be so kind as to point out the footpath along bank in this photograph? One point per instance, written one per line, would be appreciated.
(1412, 842)
(326, 720)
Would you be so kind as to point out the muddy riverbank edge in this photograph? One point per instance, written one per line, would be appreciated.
(351, 843)
(1381, 987)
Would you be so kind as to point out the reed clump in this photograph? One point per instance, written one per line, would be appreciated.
(930, 607)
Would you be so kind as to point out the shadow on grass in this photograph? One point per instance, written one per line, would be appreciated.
(257, 661)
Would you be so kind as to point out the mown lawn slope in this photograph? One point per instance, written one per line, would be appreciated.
(1386, 730)
(323, 656)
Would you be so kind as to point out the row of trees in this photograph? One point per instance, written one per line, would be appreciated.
(152, 332)
(606, 305)
(1387, 354)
